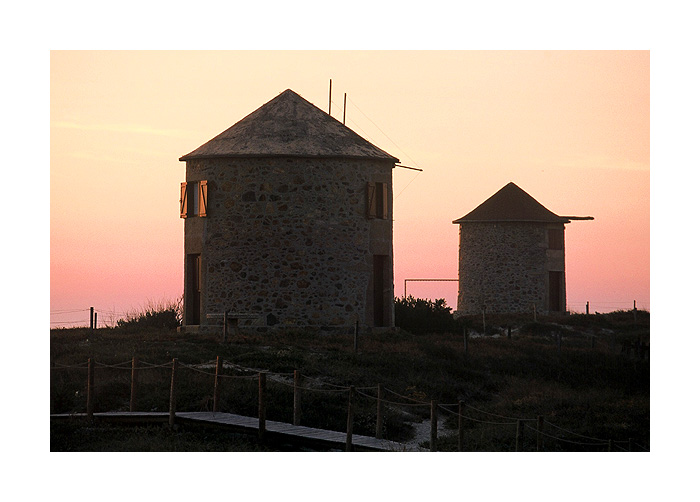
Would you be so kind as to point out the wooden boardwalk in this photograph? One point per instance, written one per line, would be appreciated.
(274, 431)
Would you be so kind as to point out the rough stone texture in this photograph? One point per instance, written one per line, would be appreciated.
(288, 238)
(504, 267)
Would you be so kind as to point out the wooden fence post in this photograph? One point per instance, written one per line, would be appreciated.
(91, 389)
(433, 425)
(262, 387)
(297, 398)
(519, 436)
(356, 338)
(92, 317)
(95, 320)
(173, 379)
(587, 308)
(380, 411)
(460, 427)
(351, 416)
(217, 383)
(134, 382)
(540, 424)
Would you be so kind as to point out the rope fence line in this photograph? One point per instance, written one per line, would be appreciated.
(109, 317)
(68, 366)
(496, 414)
(198, 370)
(574, 433)
(406, 397)
(474, 419)
(385, 401)
(341, 387)
(117, 366)
(519, 422)
(602, 443)
(149, 365)
(68, 311)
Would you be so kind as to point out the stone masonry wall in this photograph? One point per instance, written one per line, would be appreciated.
(504, 267)
(289, 239)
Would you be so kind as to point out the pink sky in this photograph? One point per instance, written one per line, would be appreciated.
(570, 128)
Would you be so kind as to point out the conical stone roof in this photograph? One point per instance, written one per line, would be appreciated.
(511, 203)
(289, 125)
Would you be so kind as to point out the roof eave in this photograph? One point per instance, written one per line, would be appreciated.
(462, 220)
(187, 157)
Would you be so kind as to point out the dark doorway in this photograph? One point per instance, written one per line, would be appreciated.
(380, 264)
(193, 281)
(555, 289)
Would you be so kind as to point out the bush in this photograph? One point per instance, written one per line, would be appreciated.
(421, 316)
(165, 315)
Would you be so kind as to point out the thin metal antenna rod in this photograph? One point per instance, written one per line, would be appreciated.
(330, 89)
(345, 102)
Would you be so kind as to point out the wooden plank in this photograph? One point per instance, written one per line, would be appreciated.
(318, 434)
(250, 424)
(311, 433)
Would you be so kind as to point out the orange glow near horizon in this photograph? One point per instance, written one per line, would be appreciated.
(570, 128)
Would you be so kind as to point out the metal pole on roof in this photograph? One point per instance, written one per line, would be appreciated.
(345, 101)
(330, 89)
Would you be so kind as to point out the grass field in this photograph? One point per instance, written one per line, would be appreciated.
(586, 394)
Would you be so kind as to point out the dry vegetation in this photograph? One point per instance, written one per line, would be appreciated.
(585, 394)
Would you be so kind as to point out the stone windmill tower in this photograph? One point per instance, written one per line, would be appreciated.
(288, 219)
(511, 256)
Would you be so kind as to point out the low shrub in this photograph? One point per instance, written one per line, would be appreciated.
(420, 316)
(165, 315)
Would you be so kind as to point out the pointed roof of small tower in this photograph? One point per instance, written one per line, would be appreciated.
(288, 125)
(512, 203)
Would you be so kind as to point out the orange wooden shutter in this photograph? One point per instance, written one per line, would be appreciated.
(203, 198)
(183, 200)
(371, 200)
(385, 204)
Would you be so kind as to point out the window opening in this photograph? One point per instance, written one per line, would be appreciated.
(377, 200)
(555, 238)
(193, 199)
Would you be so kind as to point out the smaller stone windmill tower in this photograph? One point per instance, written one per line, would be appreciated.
(511, 256)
